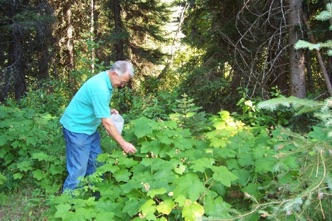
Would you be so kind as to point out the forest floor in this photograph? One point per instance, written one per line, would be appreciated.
(23, 205)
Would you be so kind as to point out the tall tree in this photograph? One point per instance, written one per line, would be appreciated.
(256, 40)
(136, 29)
(26, 41)
(296, 57)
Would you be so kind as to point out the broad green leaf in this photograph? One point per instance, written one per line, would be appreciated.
(18, 143)
(181, 200)
(104, 216)
(164, 139)
(243, 176)
(232, 164)
(166, 206)
(18, 176)
(290, 162)
(128, 187)
(218, 209)
(264, 165)
(180, 168)
(132, 207)
(62, 210)
(41, 156)
(216, 140)
(224, 153)
(223, 175)
(190, 186)
(192, 211)
(56, 169)
(127, 162)
(148, 208)
(251, 189)
(24, 165)
(108, 168)
(143, 127)
(85, 213)
(38, 174)
(122, 175)
(3, 179)
(324, 15)
(152, 146)
(200, 165)
(183, 143)
(245, 160)
(3, 140)
(154, 192)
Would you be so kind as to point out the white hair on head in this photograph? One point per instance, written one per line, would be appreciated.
(122, 67)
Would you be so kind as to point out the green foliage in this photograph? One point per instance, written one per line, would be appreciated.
(250, 114)
(166, 180)
(174, 176)
(208, 87)
(231, 171)
(48, 96)
(321, 110)
(153, 106)
(187, 115)
(30, 150)
(323, 16)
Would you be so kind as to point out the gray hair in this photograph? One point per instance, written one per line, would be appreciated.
(123, 67)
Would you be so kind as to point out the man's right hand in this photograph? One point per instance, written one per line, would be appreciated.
(128, 147)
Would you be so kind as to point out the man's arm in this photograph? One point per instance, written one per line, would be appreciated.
(113, 132)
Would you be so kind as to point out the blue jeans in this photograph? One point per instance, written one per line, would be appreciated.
(82, 151)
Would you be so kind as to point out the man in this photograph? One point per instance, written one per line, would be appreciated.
(88, 108)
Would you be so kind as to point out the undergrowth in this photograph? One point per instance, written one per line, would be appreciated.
(224, 170)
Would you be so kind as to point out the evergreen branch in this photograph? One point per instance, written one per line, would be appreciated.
(289, 203)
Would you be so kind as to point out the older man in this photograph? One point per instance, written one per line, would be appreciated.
(86, 111)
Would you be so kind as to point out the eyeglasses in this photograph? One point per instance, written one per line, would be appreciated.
(123, 83)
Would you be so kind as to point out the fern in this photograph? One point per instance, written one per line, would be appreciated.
(187, 115)
(299, 105)
(320, 109)
(323, 16)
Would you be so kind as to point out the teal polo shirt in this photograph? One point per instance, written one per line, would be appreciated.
(89, 105)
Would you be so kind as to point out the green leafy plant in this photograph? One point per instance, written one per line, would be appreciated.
(320, 110)
(250, 114)
(173, 177)
(187, 115)
(29, 149)
(233, 171)
(322, 16)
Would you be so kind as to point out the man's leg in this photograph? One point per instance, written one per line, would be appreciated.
(94, 152)
(77, 155)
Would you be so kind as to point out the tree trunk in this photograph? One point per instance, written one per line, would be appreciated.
(92, 32)
(18, 66)
(69, 37)
(118, 30)
(310, 78)
(296, 57)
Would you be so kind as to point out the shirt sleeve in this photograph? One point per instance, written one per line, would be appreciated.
(101, 107)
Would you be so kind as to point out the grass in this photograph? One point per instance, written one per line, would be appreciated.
(25, 204)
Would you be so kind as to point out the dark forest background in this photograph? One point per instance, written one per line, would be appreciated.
(230, 109)
(213, 51)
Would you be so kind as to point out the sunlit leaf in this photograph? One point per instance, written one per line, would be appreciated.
(190, 186)
(166, 206)
(192, 211)
(223, 175)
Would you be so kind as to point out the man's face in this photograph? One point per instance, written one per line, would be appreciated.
(118, 81)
